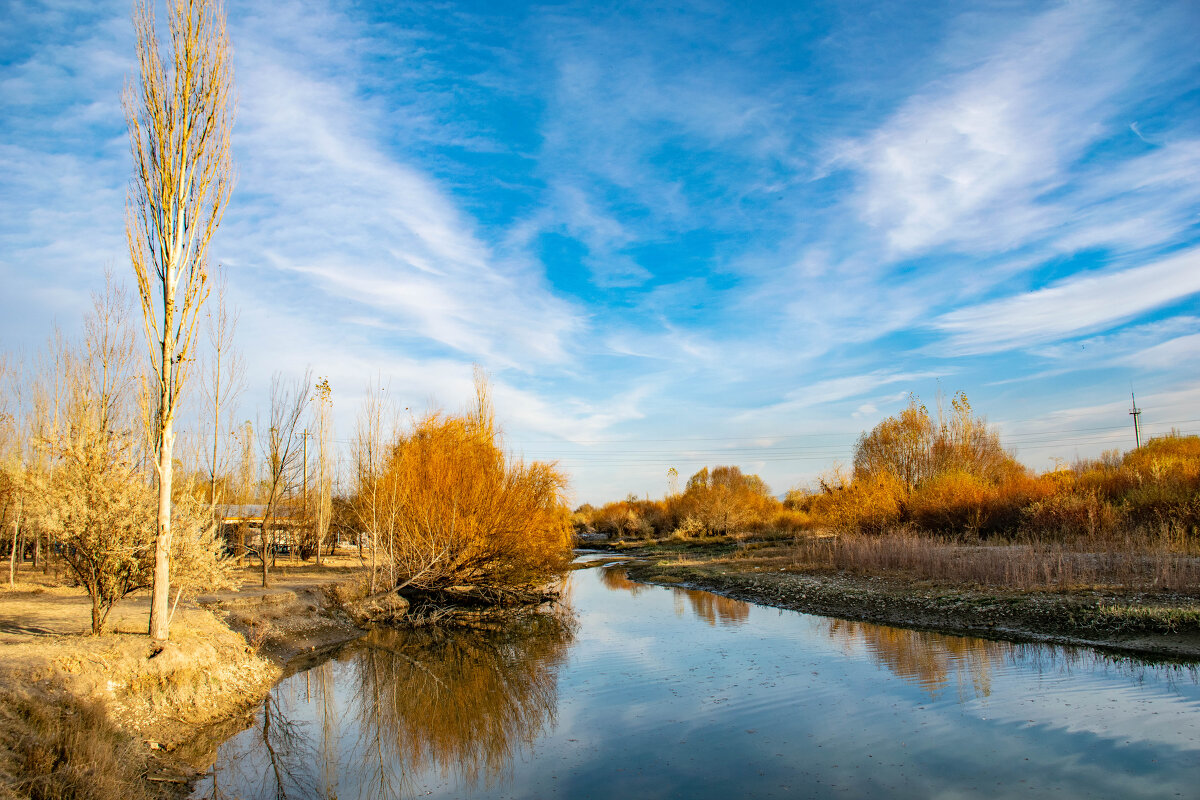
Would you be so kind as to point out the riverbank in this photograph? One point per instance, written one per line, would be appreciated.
(112, 716)
(1154, 624)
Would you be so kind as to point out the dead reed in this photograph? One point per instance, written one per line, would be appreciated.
(1142, 562)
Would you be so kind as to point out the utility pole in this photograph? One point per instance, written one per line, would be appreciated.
(1136, 413)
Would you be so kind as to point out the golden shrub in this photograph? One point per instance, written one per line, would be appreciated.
(461, 513)
(867, 505)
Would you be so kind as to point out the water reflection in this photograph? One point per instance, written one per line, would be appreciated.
(686, 694)
(615, 578)
(932, 661)
(459, 703)
(712, 608)
(936, 662)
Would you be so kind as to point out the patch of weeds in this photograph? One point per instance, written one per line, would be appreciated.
(1148, 618)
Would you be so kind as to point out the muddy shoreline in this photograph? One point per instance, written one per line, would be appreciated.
(150, 717)
(1151, 626)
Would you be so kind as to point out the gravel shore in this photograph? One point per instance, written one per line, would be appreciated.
(1158, 625)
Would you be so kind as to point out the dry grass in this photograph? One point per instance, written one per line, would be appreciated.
(85, 704)
(192, 680)
(1141, 563)
(77, 726)
(67, 751)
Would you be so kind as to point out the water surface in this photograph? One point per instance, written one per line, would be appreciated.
(655, 692)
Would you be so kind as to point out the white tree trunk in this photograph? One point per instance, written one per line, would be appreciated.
(160, 614)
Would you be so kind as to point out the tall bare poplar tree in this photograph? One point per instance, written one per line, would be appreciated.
(323, 398)
(180, 113)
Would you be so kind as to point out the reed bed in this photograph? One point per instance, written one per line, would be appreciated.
(1141, 563)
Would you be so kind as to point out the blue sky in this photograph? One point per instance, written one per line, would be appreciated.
(675, 235)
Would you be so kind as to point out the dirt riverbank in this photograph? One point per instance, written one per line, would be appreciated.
(112, 716)
(1155, 625)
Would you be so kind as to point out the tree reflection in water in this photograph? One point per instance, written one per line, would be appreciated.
(459, 702)
(929, 660)
(936, 661)
(712, 608)
(615, 578)
(272, 759)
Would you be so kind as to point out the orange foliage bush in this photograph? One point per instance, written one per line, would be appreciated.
(462, 513)
(717, 501)
(866, 505)
(955, 480)
(1165, 473)
(627, 519)
(725, 500)
(954, 502)
(1072, 514)
(915, 449)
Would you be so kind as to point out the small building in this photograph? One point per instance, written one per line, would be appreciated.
(241, 525)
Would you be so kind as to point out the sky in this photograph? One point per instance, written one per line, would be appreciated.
(674, 235)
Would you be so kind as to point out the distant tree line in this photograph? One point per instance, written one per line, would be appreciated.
(946, 474)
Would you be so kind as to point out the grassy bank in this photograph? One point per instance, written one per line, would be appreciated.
(107, 716)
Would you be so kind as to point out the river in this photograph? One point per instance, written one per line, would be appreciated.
(652, 692)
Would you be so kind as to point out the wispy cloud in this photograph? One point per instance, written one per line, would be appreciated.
(326, 203)
(971, 165)
(1070, 307)
(743, 221)
(833, 390)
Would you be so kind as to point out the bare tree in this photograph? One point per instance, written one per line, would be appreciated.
(109, 355)
(94, 494)
(282, 454)
(246, 486)
(369, 458)
(324, 426)
(179, 116)
(226, 380)
(97, 504)
(36, 392)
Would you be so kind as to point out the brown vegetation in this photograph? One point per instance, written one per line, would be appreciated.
(67, 751)
(59, 686)
(969, 488)
(940, 499)
(450, 509)
(716, 502)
